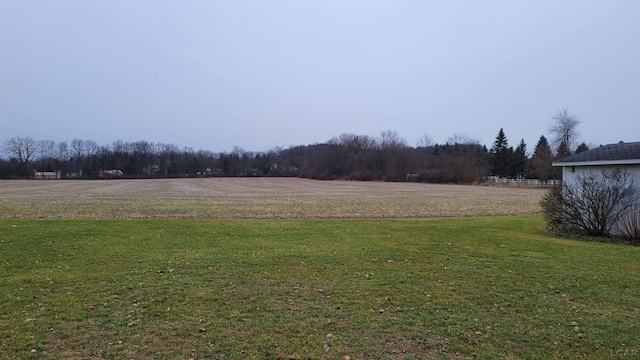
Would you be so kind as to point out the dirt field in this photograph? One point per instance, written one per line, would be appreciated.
(258, 198)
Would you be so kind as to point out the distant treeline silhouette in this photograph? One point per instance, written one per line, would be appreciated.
(347, 156)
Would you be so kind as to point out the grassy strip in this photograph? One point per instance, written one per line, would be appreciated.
(494, 287)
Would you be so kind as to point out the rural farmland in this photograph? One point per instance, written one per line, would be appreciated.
(258, 198)
(300, 269)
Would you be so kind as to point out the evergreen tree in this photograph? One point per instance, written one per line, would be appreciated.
(519, 160)
(582, 148)
(540, 164)
(563, 151)
(501, 155)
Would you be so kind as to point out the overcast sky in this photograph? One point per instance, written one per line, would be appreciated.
(258, 74)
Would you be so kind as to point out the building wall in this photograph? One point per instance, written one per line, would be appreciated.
(570, 174)
(47, 175)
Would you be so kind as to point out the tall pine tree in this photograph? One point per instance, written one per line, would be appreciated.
(540, 164)
(582, 148)
(519, 160)
(563, 151)
(501, 154)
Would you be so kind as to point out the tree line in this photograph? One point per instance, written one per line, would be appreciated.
(388, 157)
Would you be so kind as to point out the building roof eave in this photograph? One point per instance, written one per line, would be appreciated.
(597, 163)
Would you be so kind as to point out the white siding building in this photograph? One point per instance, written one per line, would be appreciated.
(623, 156)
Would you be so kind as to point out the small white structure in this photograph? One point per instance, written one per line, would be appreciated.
(47, 175)
(111, 173)
(622, 156)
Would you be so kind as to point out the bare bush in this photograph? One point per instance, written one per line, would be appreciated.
(594, 203)
(553, 208)
(629, 225)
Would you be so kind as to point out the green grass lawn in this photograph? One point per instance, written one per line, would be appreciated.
(492, 287)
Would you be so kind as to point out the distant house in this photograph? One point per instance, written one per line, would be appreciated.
(623, 156)
(111, 173)
(47, 175)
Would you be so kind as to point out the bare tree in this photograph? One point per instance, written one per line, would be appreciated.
(393, 156)
(564, 128)
(391, 139)
(354, 142)
(46, 149)
(462, 139)
(62, 151)
(77, 148)
(22, 148)
(91, 147)
(593, 204)
(425, 141)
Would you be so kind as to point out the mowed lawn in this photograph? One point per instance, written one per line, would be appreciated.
(470, 287)
(270, 268)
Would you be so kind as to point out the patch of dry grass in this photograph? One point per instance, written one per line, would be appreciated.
(258, 198)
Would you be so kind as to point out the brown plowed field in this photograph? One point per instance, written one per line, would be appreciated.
(257, 198)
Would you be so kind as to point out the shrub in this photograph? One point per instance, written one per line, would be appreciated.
(552, 208)
(592, 204)
(629, 225)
